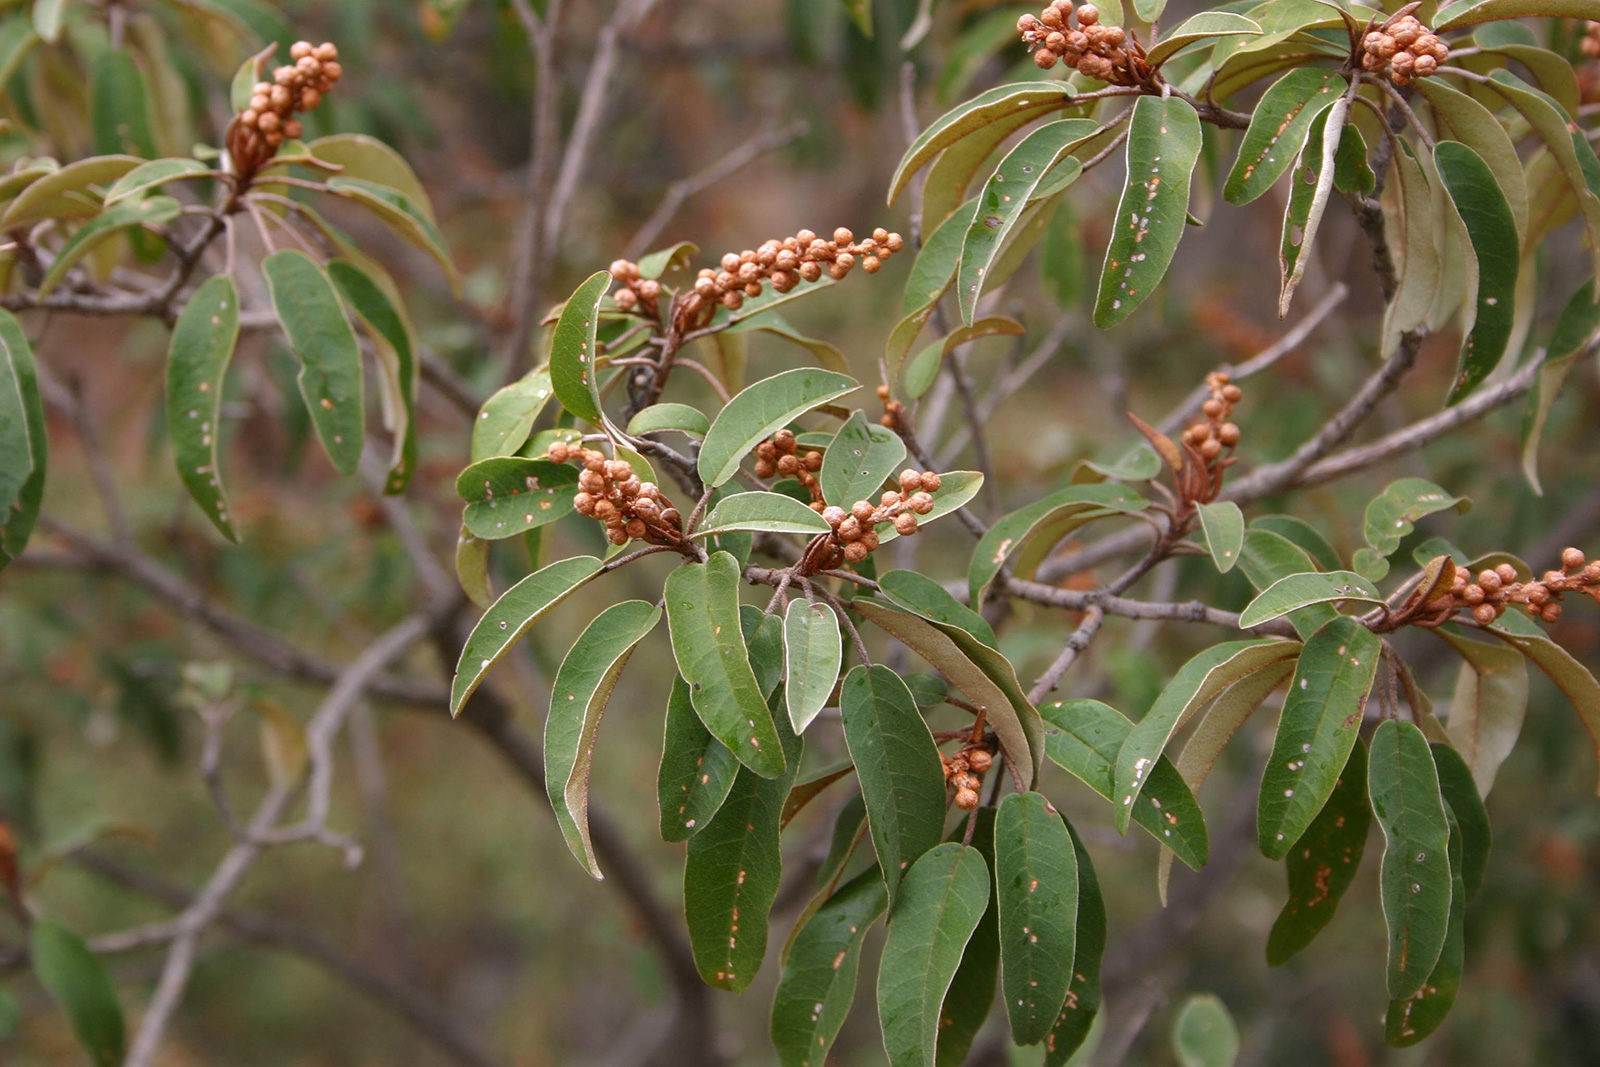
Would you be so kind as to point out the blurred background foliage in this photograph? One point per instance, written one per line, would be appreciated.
(466, 888)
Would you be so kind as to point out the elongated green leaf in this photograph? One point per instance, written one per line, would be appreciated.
(773, 324)
(1323, 862)
(119, 109)
(1082, 1008)
(956, 489)
(1297, 591)
(1570, 676)
(1201, 27)
(38, 200)
(807, 790)
(1418, 284)
(409, 221)
(1473, 12)
(1308, 197)
(507, 417)
(971, 996)
(156, 211)
(1163, 146)
(897, 763)
(153, 175)
(760, 409)
(1321, 718)
(1575, 330)
(1083, 738)
(1196, 683)
(761, 513)
(812, 654)
(1278, 128)
(942, 897)
(972, 116)
(763, 638)
(1269, 557)
(578, 699)
(24, 450)
(330, 380)
(1391, 517)
(703, 617)
(572, 352)
(1414, 880)
(922, 595)
(1036, 889)
(861, 458)
(197, 361)
(1223, 525)
(819, 974)
(509, 618)
(1413, 1018)
(1204, 1034)
(1490, 702)
(1004, 196)
(1043, 524)
(78, 982)
(931, 274)
(396, 355)
(472, 568)
(1471, 818)
(730, 877)
(1459, 117)
(696, 771)
(680, 417)
(1492, 229)
(509, 495)
(945, 187)
(1303, 535)
(919, 372)
(370, 160)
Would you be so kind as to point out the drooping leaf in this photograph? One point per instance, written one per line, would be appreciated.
(941, 899)
(956, 489)
(1201, 27)
(77, 981)
(1490, 702)
(702, 601)
(1483, 210)
(1302, 534)
(1204, 1034)
(119, 108)
(1297, 591)
(1163, 146)
(1471, 818)
(408, 220)
(761, 513)
(760, 409)
(659, 417)
(1575, 330)
(1391, 516)
(509, 495)
(472, 567)
(862, 456)
(1036, 889)
(153, 175)
(1082, 1008)
(819, 974)
(932, 272)
(41, 198)
(509, 618)
(126, 216)
(390, 331)
(945, 187)
(970, 117)
(330, 379)
(812, 654)
(1570, 676)
(1308, 197)
(1460, 117)
(371, 160)
(1414, 880)
(696, 770)
(24, 450)
(572, 354)
(970, 998)
(1413, 1018)
(197, 361)
(578, 699)
(1278, 128)
(1223, 524)
(918, 593)
(1323, 862)
(1040, 526)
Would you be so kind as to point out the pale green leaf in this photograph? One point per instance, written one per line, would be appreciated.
(1414, 879)
(330, 379)
(812, 654)
(1297, 591)
(1036, 890)
(760, 409)
(202, 345)
(861, 458)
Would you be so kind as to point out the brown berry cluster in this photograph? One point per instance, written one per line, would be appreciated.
(963, 773)
(1405, 48)
(1210, 438)
(1590, 45)
(855, 532)
(610, 492)
(785, 264)
(893, 410)
(1494, 590)
(781, 455)
(1103, 52)
(269, 119)
(637, 294)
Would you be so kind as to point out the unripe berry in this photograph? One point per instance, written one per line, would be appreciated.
(810, 271)
(838, 271)
(1213, 408)
(862, 510)
(855, 552)
(1052, 18)
(1572, 559)
(1485, 614)
(249, 118)
(894, 242)
(1551, 612)
(813, 461)
(805, 237)
(850, 529)
(300, 49)
(910, 480)
(293, 128)
(889, 499)
(784, 440)
(1228, 435)
(626, 299)
(1507, 573)
(1490, 581)
(1232, 393)
(558, 452)
(1044, 59)
(649, 288)
(843, 236)
(268, 122)
(931, 481)
(1055, 41)
(309, 99)
(921, 503)
(584, 503)
(788, 465)
(967, 799)
(869, 540)
(733, 300)
(1088, 15)
(905, 523)
(617, 536)
(327, 51)
(834, 515)
(1425, 66)
(1211, 450)
(980, 759)
(752, 289)
(635, 528)
(1474, 594)
(871, 264)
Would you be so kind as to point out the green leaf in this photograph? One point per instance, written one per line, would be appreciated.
(1269, 557)
(1302, 590)
(1492, 229)
(861, 14)
(1308, 197)
(971, 996)
(1197, 682)
(1302, 534)
(1083, 738)
(696, 771)
(409, 221)
(386, 324)
(702, 602)
(1414, 880)
(1083, 996)
(1461, 118)
(1204, 1034)
(507, 417)
(761, 513)
(1570, 676)
(660, 417)
(1042, 152)
(509, 495)
(1323, 862)
(1472, 12)
(154, 212)
(472, 567)
(1490, 703)
(923, 596)
(572, 366)
(804, 792)
(760, 409)
(1223, 525)
(1163, 146)
(861, 458)
(119, 111)
(772, 323)
(819, 975)
(971, 117)
(1278, 129)
(1201, 27)
(919, 372)
(763, 637)
(1471, 818)
(1036, 529)
(931, 274)
(203, 340)
(1391, 516)
(956, 489)
(1578, 325)
(38, 201)
(1413, 1018)
(582, 689)
(153, 175)
(371, 160)
(898, 765)
(313, 319)
(1036, 890)
(942, 897)
(78, 982)
(509, 618)
(812, 654)
(945, 187)
(1320, 721)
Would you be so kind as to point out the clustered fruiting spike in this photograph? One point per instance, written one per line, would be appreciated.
(268, 120)
(1405, 48)
(638, 294)
(785, 264)
(1103, 52)
(611, 493)
(1494, 590)
(781, 455)
(1590, 45)
(963, 772)
(1210, 438)
(854, 533)
(893, 410)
